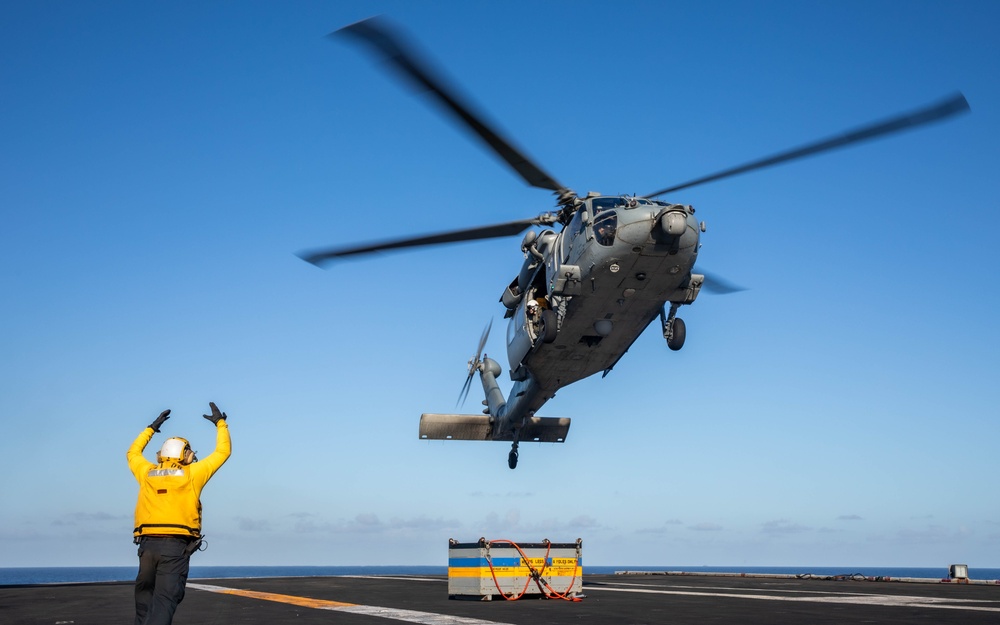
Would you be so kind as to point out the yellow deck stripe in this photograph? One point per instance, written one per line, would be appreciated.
(409, 616)
(305, 602)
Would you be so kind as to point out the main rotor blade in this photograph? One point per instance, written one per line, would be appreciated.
(951, 106)
(470, 234)
(378, 33)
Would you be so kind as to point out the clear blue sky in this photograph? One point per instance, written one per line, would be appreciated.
(163, 163)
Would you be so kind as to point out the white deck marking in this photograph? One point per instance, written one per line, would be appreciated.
(790, 591)
(899, 601)
(409, 616)
(400, 578)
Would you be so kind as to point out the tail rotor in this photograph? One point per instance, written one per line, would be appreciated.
(474, 364)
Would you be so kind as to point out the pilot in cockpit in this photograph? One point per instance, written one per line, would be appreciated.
(604, 232)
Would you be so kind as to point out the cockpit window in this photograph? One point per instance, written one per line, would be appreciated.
(601, 203)
(605, 224)
(624, 201)
(569, 235)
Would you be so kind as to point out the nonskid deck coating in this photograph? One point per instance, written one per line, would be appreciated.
(609, 600)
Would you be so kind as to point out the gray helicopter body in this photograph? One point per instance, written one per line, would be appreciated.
(602, 280)
(596, 286)
(582, 297)
(587, 291)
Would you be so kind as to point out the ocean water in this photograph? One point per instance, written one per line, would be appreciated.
(62, 575)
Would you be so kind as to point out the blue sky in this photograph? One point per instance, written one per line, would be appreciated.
(162, 165)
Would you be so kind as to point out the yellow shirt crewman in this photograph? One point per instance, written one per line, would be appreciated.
(168, 515)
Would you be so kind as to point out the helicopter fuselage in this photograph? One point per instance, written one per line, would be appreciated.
(585, 294)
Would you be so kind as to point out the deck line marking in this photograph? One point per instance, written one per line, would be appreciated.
(787, 590)
(409, 616)
(896, 601)
(400, 578)
(305, 602)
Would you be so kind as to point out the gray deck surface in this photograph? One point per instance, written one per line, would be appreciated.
(610, 599)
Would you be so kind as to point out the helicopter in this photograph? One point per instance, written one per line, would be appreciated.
(598, 273)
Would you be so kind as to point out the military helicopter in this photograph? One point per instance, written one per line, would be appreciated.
(601, 269)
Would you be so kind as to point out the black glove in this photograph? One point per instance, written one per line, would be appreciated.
(216, 416)
(159, 420)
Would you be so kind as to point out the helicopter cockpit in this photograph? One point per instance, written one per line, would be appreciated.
(606, 218)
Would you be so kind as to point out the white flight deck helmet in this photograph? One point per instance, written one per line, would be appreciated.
(178, 449)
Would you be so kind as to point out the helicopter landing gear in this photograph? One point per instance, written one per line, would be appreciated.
(674, 330)
(512, 456)
(549, 327)
(677, 334)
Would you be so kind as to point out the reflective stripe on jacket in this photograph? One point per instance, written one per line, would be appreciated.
(170, 492)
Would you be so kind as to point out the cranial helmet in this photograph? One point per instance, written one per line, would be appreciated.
(532, 303)
(175, 447)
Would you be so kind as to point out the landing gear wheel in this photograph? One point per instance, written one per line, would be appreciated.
(512, 459)
(549, 328)
(677, 334)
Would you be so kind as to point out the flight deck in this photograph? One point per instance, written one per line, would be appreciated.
(606, 600)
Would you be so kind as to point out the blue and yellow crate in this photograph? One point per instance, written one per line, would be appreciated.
(486, 569)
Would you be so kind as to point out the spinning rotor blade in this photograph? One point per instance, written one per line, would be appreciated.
(474, 364)
(377, 32)
(465, 391)
(714, 284)
(951, 106)
(470, 234)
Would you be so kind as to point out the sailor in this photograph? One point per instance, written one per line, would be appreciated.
(168, 515)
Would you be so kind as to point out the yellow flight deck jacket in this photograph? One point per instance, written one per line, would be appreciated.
(170, 492)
